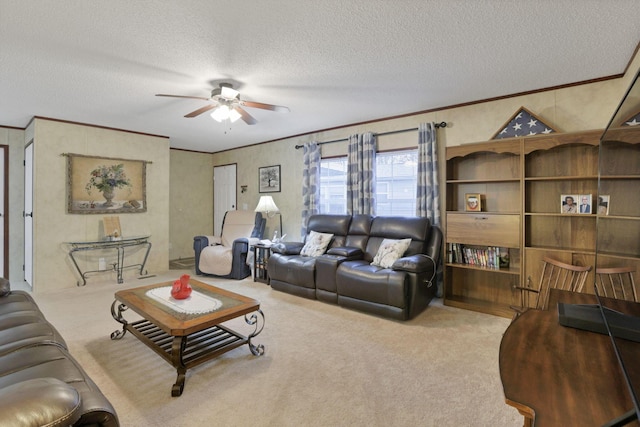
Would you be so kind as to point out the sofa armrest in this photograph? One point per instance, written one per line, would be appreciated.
(287, 248)
(5, 287)
(208, 240)
(40, 401)
(199, 243)
(418, 263)
(348, 252)
(240, 246)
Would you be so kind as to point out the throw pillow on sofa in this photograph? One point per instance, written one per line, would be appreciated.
(389, 252)
(316, 244)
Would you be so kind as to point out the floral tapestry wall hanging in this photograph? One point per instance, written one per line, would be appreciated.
(105, 185)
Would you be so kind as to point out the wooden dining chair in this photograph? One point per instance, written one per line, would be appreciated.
(555, 275)
(617, 282)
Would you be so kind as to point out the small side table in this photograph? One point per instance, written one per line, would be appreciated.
(261, 255)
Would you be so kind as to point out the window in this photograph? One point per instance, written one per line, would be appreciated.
(333, 186)
(396, 182)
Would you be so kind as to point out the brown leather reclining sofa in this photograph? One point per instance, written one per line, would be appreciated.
(40, 382)
(344, 274)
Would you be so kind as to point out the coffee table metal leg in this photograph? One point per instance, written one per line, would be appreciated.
(118, 334)
(178, 387)
(177, 349)
(253, 319)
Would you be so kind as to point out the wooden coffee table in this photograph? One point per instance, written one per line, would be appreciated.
(187, 333)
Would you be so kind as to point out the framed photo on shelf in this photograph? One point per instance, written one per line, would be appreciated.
(472, 202)
(111, 227)
(569, 203)
(269, 179)
(585, 204)
(603, 204)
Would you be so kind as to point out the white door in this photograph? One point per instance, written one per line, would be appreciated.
(4, 235)
(28, 214)
(224, 194)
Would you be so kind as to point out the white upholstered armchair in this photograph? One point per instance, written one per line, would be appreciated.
(226, 255)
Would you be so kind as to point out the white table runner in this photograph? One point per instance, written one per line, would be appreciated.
(196, 303)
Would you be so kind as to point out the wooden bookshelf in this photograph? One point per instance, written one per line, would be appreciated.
(521, 181)
(495, 171)
(618, 236)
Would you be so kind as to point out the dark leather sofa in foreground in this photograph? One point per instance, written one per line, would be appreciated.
(344, 274)
(41, 384)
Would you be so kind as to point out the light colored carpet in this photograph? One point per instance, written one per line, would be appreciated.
(323, 365)
(183, 264)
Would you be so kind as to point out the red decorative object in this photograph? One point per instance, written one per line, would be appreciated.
(181, 288)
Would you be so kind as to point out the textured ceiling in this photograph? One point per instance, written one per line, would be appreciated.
(333, 63)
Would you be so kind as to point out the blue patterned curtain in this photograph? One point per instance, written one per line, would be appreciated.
(310, 183)
(428, 195)
(361, 174)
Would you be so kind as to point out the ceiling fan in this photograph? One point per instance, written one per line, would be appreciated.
(226, 104)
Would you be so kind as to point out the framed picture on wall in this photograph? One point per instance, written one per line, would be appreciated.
(269, 179)
(99, 185)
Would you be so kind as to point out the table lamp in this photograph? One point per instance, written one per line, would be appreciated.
(268, 206)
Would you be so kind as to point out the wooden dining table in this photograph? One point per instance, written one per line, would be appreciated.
(556, 375)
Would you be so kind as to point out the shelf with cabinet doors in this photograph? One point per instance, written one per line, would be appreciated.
(492, 170)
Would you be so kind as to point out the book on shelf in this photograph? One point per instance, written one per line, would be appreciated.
(482, 256)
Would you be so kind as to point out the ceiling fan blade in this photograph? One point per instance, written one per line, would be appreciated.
(248, 118)
(183, 96)
(201, 110)
(264, 106)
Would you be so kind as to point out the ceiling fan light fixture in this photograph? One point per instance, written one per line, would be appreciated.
(221, 113)
(228, 93)
(234, 115)
(225, 104)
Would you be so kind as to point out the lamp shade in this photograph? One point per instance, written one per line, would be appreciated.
(266, 204)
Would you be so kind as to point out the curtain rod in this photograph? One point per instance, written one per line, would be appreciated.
(438, 125)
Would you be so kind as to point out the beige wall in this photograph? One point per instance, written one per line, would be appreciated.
(53, 225)
(191, 206)
(583, 107)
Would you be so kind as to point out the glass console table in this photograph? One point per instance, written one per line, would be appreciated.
(117, 245)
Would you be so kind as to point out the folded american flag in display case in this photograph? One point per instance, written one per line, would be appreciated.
(633, 120)
(523, 123)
